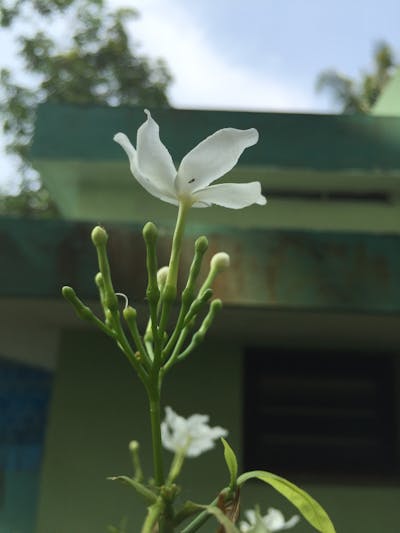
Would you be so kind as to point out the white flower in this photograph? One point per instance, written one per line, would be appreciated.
(192, 435)
(272, 521)
(152, 166)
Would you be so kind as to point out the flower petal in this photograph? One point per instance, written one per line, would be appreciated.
(213, 158)
(192, 435)
(153, 158)
(150, 186)
(292, 522)
(251, 516)
(233, 195)
(274, 519)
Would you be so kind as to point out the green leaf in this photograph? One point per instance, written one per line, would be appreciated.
(308, 507)
(222, 519)
(231, 463)
(141, 489)
(189, 509)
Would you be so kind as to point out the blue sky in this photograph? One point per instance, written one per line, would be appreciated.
(256, 54)
(279, 47)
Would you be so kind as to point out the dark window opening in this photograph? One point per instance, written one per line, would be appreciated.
(331, 196)
(321, 416)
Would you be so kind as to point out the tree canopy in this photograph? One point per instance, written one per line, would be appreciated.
(358, 96)
(77, 52)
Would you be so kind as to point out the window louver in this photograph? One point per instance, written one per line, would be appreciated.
(310, 195)
(321, 415)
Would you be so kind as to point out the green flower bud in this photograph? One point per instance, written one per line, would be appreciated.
(99, 280)
(133, 446)
(129, 313)
(201, 244)
(216, 305)
(84, 312)
(206, 295)
(150, 233)
(99, 236)
(68, 293)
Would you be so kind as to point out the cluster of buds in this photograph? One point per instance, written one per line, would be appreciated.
(157, 349)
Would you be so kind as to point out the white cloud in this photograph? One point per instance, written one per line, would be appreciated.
(202, 77)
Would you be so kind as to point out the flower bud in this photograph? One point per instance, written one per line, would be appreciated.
(216, 305)
(129, 313)
(82, 310)
(99, 236)
(98, 279)
(133, 446)
(220, 262)
(150, 233)
(201, 244)
(162, 275)
(68, 293)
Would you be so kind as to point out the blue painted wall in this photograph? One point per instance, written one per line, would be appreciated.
(24, 398)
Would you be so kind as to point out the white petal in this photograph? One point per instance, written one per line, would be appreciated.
(152, 188)
(195, 422)
(274, 520)
(292, 522)
(251, 516)
(153, 159)
(192, 435)
(233, 195)
(213, 158)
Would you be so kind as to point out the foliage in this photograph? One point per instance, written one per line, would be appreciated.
(358, 96)
(97, 64)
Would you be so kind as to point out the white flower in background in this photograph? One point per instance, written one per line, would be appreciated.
(272, 521)
(191, 436)
(152, 166)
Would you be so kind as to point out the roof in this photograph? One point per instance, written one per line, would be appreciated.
(287, 140)
(327, 172)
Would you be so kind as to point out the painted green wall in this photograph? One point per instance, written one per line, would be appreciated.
(98, 406)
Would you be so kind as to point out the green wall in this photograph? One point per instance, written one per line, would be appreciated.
(98, 406)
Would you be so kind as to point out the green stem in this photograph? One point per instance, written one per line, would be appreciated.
(202, 518)
(169, 292)
(155, 418)
(201, 246)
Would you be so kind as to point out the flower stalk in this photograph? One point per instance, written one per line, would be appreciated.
(170, 288)
(155, 352)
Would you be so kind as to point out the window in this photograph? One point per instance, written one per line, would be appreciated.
(321, 416)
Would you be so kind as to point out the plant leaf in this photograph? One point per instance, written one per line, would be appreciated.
(231, 463)
(308, 507)
(149, 496)
(189, 509)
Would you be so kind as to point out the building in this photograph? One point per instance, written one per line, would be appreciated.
(302, 366)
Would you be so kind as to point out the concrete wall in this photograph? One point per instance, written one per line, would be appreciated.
(99, 405)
